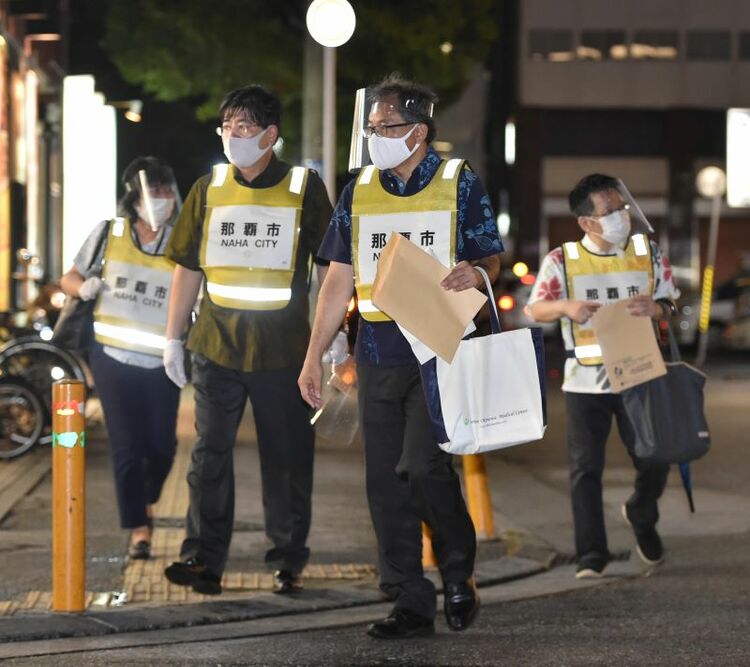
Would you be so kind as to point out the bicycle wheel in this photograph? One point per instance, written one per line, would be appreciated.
(22, 417)
(39, 364)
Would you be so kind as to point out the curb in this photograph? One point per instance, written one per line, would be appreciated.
(50, 625)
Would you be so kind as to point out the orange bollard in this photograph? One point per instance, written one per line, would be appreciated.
(478, 496)
(428, 555)
(68, 496)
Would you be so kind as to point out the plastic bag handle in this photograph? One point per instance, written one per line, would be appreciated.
(494, 316)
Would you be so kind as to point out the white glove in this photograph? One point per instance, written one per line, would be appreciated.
(337, 351)
(174, 362)
(90, 288)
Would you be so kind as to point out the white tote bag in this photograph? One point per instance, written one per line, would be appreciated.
(492, 393)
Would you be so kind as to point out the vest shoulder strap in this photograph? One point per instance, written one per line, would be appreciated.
(571, 250)
(219, 175)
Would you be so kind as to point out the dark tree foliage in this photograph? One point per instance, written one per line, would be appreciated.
(201, 49)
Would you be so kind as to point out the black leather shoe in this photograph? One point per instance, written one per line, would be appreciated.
(140, 550)
(461, 604)
(195, 574)
(284, 582)
(402, 624)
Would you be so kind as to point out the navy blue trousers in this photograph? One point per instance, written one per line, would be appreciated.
(140, 411)
(410, 480)
(589, 424)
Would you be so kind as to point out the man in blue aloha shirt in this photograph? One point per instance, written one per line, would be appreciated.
(441, 206)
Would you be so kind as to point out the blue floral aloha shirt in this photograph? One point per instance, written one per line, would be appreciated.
(381, 343)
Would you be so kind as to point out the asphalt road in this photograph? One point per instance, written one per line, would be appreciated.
(691, 611)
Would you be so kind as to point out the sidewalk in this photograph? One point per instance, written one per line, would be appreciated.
(126, 597)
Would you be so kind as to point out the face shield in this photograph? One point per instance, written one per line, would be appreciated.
(639, 223)
(158, 201)
(625, 216)
(385, 115)
(359, 156)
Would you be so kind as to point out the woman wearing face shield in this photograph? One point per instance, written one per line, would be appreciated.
(122, 266)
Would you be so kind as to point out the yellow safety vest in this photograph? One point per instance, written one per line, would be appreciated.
(131, 311)
(250, 239)
(604, 278)
(427, 218)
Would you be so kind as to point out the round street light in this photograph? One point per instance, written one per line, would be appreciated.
(711, 182)
(331, 22)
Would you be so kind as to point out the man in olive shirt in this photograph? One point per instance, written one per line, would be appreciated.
(250, 229)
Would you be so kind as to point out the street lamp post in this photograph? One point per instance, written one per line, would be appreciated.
(331, 23)
(711, 183)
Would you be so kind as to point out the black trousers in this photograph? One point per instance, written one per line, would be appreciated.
(589, 424)
(140, 411)
(286, 447)
(409, 480)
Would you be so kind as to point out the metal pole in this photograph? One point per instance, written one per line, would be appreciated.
(312, 105)
(329, 121)
(478, 496)
(428, 555)
(708, 282)
(68, 496)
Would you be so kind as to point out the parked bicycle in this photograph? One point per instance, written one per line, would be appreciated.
(30, 363)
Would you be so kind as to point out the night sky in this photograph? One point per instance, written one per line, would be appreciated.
(168, 130)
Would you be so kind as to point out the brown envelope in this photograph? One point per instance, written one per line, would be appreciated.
(629, 349)
(407, 288)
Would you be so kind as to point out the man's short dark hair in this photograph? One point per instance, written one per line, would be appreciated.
(415, 101)
(157, 171)
(579, 199)
(259, 103)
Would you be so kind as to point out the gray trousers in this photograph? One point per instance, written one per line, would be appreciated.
(286, 447)
(410, 480)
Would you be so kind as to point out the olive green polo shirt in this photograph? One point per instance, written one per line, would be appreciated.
(253, 340)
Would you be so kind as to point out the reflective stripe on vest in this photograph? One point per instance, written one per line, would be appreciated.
(605, 279)
(427, 218)
(250, 240)
(131, 312)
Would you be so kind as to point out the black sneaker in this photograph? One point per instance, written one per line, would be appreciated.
(285, 583)
(591, 570)
(402, 624)
(648, 543)
(195, 574)
(140, 550)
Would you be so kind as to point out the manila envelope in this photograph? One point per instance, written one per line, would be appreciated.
(629, 349)
(407, 288)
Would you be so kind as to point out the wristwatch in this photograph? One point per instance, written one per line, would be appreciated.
(670, 309)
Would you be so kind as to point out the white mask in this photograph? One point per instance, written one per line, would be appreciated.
(157, 212)
(389, 152)
(615, 227)
(246, 152)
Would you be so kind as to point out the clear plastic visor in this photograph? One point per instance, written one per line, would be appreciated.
(158, 200)
(620, 199)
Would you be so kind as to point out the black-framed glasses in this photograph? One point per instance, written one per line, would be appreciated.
(382, 130)
(241, 128)
(624, 207)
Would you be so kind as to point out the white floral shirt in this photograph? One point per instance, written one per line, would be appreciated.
(551, 285)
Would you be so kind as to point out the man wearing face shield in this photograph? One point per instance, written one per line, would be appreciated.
(122, 265)
(441, 206)
(248, 232)
(614, 260)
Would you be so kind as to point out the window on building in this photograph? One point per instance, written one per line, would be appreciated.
(709, 45)
(551, 45)
(744, 50)
(602, 45)
(655, 45)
